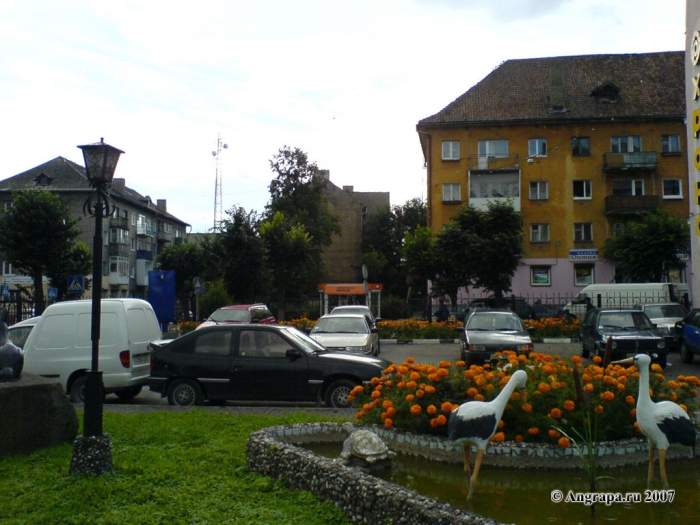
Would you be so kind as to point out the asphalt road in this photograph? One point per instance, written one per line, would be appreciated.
(424, 353)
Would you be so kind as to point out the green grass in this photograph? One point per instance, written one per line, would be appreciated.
(169, 468)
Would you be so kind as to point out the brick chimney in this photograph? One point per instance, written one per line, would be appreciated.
(162, 205)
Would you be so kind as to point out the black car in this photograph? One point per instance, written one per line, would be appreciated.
(256, 362)
(631, 330)
(487, 331)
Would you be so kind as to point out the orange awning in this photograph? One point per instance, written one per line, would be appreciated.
(348, 288)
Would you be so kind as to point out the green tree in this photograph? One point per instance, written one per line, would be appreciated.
(648, 247)
(289, 257)
(187, 260)
(419, 261)
(76, 261)
(36, 233)
(470, 245)
(298, 192)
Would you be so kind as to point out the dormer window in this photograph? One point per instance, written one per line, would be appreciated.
(43, 180)
(607, 93)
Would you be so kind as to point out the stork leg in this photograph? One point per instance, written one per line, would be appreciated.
(466, 450)
(477, 466)
(650, 474)
(662, 468)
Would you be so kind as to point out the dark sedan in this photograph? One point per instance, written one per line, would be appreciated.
(256, 363)
(487, 331)
(631, 330)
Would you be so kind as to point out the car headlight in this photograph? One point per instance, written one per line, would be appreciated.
(661, 344)
(477, 348)
(357, 349)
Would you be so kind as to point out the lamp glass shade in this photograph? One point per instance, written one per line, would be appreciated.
(100, 162)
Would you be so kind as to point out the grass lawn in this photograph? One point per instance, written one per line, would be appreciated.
(169, 468)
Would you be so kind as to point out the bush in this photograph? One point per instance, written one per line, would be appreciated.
(419, 398)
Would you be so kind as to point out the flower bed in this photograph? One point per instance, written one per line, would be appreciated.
(419, 398)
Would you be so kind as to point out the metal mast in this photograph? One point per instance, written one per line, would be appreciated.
(218, 207)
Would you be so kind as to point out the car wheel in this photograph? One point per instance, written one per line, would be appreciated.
(337, 394)
(129, 393)
(77, 390)
(184, 393)
(686, 354)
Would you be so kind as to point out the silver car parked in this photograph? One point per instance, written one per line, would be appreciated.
(347, 333)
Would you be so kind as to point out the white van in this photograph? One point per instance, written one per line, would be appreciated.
(625, 295)
(59, 346)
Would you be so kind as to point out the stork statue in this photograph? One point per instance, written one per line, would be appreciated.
(663, 423)
(475, 422)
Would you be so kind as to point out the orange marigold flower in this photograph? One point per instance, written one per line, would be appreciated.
(656, 367)
(607, 396)
(500, 423)
(479, 397)
(416, 409)
(515, 396)
(377, 402)
(420, 393)
(683, 406)
(375, 381)
(415, 376)
(442, 420)
(400, 385)
(472, 392)
(633, 412)
(391, 411)
(434, 378)
(357, 390)
(636, 428)
(360, 414)
(388, 423)
(410, 398)
(429, 389)
(403, 369)
(533, 431)
(576, 360)
(554, 434)
(527, 407)
(673, 397)
(564, 442)
(498, 437)
(460, 364)
(411, 385)
(597, 359)
(630, 400)
(544, 388)
(518, 438)
(443, 373)
(599, 409)
(434, 422)
(432, 410)
(384, 416)
(588, 386)
(410, 360)
(376, 394)
(555, 413)
(447, 407)
(569, 405)
(387, 403)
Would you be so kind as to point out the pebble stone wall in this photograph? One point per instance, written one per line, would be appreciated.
(366, 499)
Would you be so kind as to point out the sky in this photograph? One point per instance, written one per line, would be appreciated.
(346, 82)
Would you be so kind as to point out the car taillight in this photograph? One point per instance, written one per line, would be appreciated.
(125, 358)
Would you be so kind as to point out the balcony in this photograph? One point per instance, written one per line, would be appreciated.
(119, 249)
(146, 255)
(636, 162)
(164, 236)
(144, 230)
(489, 164)
(119, 222)
(631, 204)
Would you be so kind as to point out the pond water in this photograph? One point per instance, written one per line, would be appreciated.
(523, 497)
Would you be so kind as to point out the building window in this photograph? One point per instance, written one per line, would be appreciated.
(539, 232)
(143, 245)
(125, 214)
(8, 205)
(670, 144)
(618, 229)
(451, 192)
(490, 185)
(537, 148)
(540, 276)
(582, 189)
(493, 148)
(119, 265)
(133, 219)
(539, 190)
(7, 268)
(627, 144)
(584, 274)
(450, 150)
(118, 236)
(628, 187)
(581, 146)
(672, 189)
(583, 232)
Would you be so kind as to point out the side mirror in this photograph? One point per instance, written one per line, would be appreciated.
(293, 354)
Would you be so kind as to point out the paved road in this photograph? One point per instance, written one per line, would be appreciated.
(424, 353)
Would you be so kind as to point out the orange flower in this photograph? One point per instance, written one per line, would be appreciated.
(564, 442)
(460, 364)
(357, 390)
(442, 420)
(569, 405)
(376, 394)
(630, 400)
(636, 428)
(360, 414)
(527, 407)
(415, 376)
(498, 437)
(447, 407)
(554, 434)
(597, 359)
(599, 409)
(375, 381)
(401, 385)
(420, 393)
(500, 424)
(410, 360)
(443, 373)
(410, 398)
(633, 412)
(533, 431)
(432, 410)
(518, 438)
(472, 392)
(555, 413)
(388, 423)
(607, 396)
(391, 411)
(544, 388)
(429, 389)
(416, 410)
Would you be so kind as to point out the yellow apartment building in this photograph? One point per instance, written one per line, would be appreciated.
(578, 144)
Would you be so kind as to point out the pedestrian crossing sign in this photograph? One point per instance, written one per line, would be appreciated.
(76, 284)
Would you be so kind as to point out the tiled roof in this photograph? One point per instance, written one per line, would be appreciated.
(67, 176)
(651, 85)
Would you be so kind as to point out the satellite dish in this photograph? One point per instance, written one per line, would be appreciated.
(225, 146)
(213, 153)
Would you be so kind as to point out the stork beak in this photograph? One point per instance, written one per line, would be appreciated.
(628, 361)
(524, 395)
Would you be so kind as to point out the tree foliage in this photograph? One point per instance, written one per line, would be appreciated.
(36, 234)
(187, 260)
(646, 248)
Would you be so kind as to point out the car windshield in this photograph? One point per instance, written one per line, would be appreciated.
(352, 310)
(494, 322)
(226, 315)
(624, 321)
(304, 341)
(341, 325)
(665, 310)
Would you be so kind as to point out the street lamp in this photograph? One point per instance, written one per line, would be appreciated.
(92, 452)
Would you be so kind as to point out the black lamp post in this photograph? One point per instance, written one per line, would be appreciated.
(92, 452)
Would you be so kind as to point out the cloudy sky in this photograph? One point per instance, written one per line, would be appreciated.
(344, 81)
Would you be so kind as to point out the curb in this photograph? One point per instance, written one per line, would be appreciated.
(456, 341)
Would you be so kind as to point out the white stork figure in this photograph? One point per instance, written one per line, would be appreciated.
(475, 422)
(663, 423)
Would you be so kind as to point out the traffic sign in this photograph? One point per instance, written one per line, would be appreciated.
(52, 293)
(5, 290)
(76, 284)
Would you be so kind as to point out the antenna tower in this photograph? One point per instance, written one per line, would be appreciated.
(218, 207)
